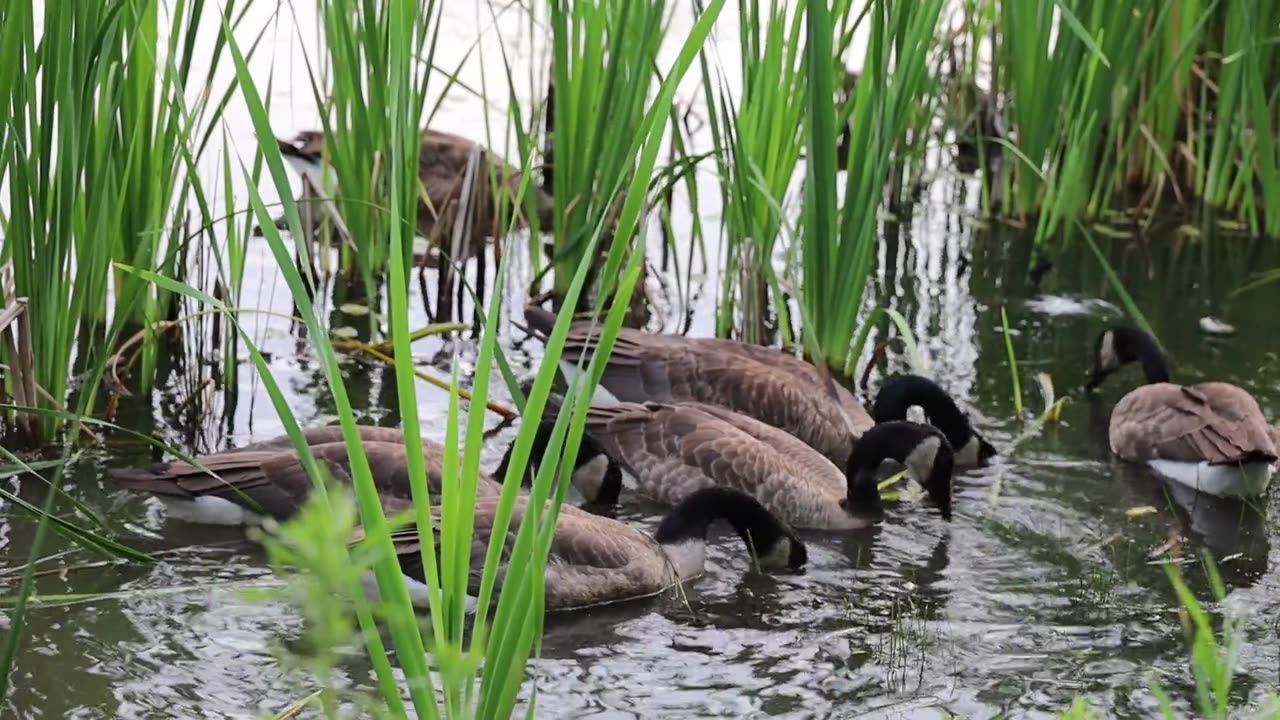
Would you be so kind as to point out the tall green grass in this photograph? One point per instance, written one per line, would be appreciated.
(372, 91)
(475, 674)
(102, 119)
(604, 61)
(757, 138)
(839, 238)
(1164, 99)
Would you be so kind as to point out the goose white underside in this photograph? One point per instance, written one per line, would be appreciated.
(1238, 481)
(319, 177)
(574, 375)
(418, 592)
(209, 510)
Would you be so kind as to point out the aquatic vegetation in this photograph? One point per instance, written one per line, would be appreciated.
(101, 130)
(479, 673)
(373, 83)
(757, 139)
(106, 120)
(1162, 98)
(604, 56)
(837, 240)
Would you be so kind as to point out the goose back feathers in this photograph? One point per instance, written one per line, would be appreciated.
(768, 385)
(596, 560)
(672, 450)
(443, 163)
(242, 486)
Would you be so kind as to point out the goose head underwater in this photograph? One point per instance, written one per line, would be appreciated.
(595, 560)
(668, 451)
(900, 393)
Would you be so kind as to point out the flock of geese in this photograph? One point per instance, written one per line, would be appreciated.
(722, 430)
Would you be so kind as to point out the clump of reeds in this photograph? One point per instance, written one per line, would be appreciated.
(604, 57)
(1136, 100)
(838, 239)
(100, 131)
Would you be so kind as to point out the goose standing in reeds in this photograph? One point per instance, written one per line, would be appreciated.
(672, 450)
(769, 385)
(596, 560)
(443, 169)
(900, 393)
(1210, 436)
(267, 479)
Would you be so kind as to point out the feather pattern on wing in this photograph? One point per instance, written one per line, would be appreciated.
(673, 450)
(1211, 422)
(271, 478)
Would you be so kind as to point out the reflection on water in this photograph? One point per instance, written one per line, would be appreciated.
(1043, 587)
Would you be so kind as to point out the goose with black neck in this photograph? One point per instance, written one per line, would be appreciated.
(900, 393)
(596, 560)
(1211, 436)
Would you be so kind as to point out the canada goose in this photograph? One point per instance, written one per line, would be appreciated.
(770, 385)
(442, 167)
(269, 479)
(672, 450)
(596, 560)
(1210, 436)
(902, 392)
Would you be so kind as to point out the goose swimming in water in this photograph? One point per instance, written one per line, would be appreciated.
(595, 560)
(1210, 436)
(268, 479)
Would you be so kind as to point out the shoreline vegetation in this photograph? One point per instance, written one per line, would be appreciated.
(1084, 122)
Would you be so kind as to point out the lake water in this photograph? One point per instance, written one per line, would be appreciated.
(1042, 588)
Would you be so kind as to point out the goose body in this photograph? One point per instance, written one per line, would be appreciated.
(442, 167)
(268, 479)
(769, 385)
(1211, 436)
(673, 450)
(596, 560)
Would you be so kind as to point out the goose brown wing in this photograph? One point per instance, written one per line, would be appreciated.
(641, 366)
(329, 434)
(276, 481)
(778, 400)
(857, 417)
(805, 459)
(1210, 422)
(674, 450)
(587, 553)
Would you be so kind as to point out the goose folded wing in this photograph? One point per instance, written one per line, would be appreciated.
(1212, 422)
(647, 440)
(780, 400)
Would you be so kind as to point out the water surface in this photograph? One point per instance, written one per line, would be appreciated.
(1041, 589)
